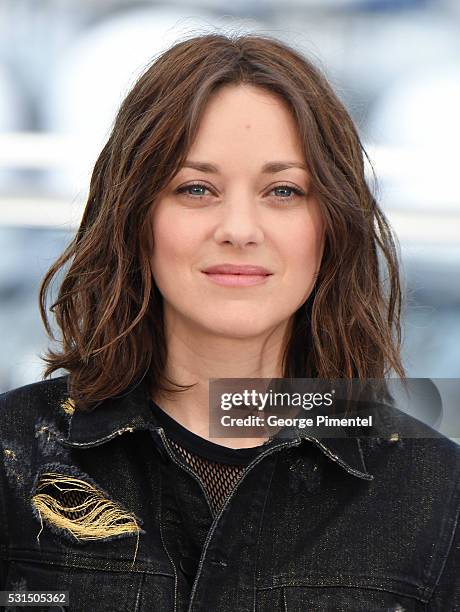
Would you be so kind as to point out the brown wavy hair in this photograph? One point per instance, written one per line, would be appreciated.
(108, 308)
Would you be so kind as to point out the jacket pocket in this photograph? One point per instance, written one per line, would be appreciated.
(92, 589)
(346, 599)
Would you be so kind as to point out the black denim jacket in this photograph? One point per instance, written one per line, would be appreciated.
(313, 524)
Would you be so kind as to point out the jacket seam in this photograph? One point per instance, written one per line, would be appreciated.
(302, 581)
(64, 562)
(139, 593)
(449, 549)
(361, 454)
(256, 564)
(286, 585)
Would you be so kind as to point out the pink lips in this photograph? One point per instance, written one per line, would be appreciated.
(237, 275)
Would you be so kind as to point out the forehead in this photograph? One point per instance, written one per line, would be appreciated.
(247, 122)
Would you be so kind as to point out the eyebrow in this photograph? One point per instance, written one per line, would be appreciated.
(267, 168)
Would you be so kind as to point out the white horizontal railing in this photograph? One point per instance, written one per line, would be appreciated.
(430, 215)
(52, 150)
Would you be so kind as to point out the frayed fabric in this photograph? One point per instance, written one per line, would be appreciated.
(48, 440)
(74, 506)
(17, 468)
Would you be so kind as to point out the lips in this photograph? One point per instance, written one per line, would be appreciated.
(238, 269)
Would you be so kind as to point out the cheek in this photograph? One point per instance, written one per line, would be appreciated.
(303, 246)
(174, 241)
(304, 251)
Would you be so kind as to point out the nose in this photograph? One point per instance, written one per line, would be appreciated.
(239, 223)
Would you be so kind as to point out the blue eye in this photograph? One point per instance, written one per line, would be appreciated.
(185, 189)
(298, 192)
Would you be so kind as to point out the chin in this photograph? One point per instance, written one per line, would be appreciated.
(237, 328)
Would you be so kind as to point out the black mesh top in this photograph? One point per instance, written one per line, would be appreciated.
(218, 467)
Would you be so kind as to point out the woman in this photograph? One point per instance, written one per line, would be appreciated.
(229, 233)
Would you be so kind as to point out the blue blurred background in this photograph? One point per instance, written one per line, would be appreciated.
(65, 67)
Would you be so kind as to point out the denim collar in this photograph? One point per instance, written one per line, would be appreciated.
(131, 411)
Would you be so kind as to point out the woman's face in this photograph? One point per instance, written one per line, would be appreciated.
(238, 212)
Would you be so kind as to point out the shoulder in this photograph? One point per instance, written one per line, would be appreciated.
(28, 414)
(413, 442)
(40, 393)
(22, 408)
(414, 465)
(406, 448)
(416, 468)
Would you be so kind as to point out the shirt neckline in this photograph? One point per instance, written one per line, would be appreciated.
(200, 446)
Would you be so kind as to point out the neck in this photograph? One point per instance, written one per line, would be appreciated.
(194, 359)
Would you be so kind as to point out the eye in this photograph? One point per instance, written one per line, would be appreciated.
(185, 190)
(295, 190)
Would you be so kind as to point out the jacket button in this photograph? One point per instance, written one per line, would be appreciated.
(189, 566)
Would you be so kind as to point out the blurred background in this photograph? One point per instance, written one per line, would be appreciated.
(66, 65)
